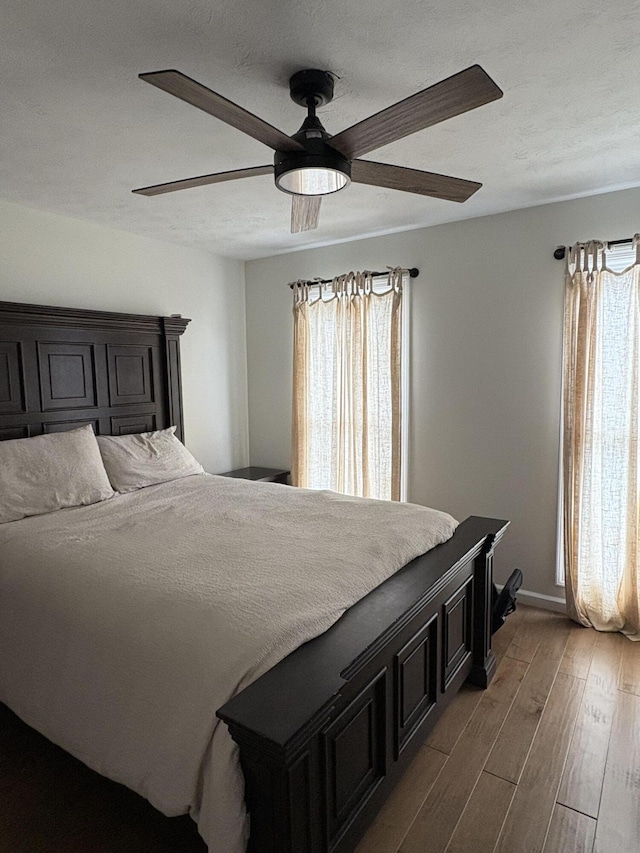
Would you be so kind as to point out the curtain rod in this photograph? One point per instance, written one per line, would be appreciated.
(414, 272)
(561, 251)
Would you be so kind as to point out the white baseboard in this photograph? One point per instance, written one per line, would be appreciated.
(536, 599)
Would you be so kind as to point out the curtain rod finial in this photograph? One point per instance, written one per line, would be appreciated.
(560, 253)
(414, 272)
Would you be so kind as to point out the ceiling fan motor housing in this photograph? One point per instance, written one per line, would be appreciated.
(318, 154)
(318, 169)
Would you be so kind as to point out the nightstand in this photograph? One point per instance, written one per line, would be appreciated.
(263, 475)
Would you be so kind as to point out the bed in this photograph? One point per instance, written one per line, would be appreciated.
(324, 733)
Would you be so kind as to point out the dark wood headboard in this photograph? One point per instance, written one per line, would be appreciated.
(61, 368)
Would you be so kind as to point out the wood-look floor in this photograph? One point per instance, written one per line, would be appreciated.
(546, 760)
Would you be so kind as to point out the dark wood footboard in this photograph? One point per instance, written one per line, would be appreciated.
(326, 733)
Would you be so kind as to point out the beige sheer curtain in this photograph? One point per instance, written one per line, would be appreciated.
(347, 386)
(600, 501)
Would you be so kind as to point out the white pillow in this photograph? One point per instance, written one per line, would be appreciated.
(146, 458)
(49, 472)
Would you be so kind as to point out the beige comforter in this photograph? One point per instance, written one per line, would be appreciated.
(126, 624)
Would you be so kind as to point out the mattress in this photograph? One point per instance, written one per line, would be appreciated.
(124, 625)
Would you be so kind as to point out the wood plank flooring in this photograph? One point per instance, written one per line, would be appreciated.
(547, 760)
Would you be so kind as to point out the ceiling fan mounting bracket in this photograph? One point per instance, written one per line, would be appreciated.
(311, 87)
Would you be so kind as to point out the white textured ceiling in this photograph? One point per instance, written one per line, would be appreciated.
(79, 130)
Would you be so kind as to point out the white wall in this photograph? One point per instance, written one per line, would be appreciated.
(55, 260)
(486, 336)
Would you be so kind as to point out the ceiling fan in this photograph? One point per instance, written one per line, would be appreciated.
(312, 163)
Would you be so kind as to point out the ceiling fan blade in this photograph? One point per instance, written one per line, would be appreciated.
(203, 180)
(412, 180)
(305, 212)
(197, 95)
(464, 91)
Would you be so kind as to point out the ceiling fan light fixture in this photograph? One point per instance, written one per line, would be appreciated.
(319, 172)
(313, 180)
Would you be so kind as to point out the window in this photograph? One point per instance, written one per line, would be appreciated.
(601, 427)
(350, 367)
(619, 257)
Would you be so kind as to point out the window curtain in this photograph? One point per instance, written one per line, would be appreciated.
(347, 385)
(600, 465)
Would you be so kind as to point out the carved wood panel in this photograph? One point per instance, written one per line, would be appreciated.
(63, 426)
(128, 424)
(416, 688)
(11, 385)
(67, 375)
(130, 375)
(13, 432)
(457, 636)
(355, 756)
